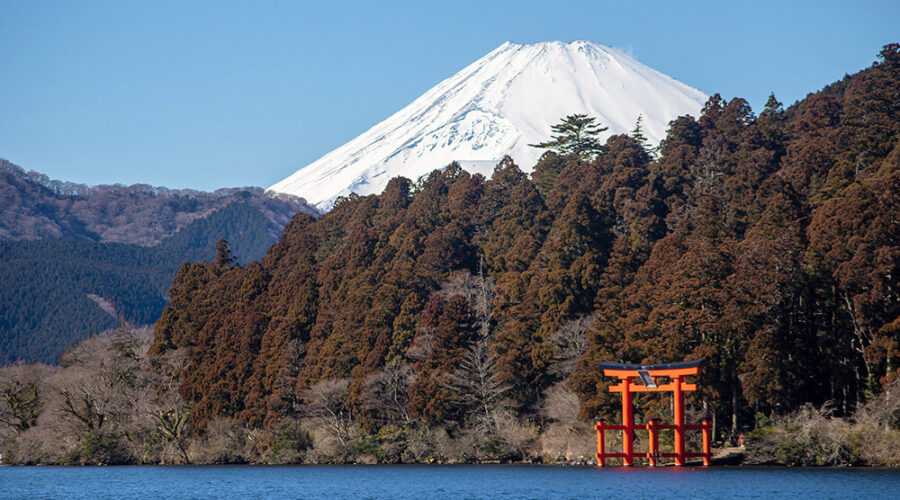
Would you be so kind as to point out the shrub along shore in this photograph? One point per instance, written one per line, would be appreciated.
(107, 404)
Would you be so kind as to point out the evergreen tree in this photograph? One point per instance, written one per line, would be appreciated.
(638, 134)
(224, 258)
(577, 138)
(771, 124)
(546, 171)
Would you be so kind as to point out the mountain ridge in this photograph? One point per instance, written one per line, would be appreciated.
(35, 207)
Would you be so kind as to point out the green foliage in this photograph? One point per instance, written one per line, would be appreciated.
(99, 448)
(791, 451)
(368, 445)
(637, 133)
(546, 171)
(576, 138)
(46, 304)
(289, 444)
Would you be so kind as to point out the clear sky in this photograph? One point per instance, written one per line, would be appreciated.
(209, 94)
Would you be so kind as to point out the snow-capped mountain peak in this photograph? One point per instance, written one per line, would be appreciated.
(494, 107)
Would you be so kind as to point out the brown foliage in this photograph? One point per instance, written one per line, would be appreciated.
(766, 245)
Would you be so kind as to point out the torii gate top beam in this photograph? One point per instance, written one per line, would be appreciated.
(682, 369)
(664, 366)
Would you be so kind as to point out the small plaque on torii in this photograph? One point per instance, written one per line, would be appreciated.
(647, 379)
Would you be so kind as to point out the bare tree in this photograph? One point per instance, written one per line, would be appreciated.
(168, 412)
(564, 437)
(172, 424)
(108, 388)
(479, 388)
(107, 385)
(862, 338)
(327, 403)
(20, 397)
(82, 405)
(570, 342)
(387, 391)
(479, 291)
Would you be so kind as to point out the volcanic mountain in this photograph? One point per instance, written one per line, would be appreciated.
(497, 106)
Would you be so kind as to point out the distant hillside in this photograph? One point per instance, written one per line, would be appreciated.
(74, 258)
(48, 306)
(33, 206)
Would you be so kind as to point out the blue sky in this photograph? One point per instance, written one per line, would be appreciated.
(209, 94)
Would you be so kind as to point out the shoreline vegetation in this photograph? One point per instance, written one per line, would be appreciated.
(460, 319)
(109, 403)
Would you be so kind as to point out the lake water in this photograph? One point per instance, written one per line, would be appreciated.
(443, 482)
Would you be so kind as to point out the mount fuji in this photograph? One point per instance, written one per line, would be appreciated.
(494, 107)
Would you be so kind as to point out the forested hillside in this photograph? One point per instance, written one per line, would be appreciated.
(464, 318)
(765, 244)
(59, 291)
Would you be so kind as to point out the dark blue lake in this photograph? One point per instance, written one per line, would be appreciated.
(440, 482)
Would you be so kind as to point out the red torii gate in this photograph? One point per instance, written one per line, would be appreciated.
(648, 375)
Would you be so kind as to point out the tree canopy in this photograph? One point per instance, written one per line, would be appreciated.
(576, 137)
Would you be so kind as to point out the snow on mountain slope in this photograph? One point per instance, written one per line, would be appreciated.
(497, 106)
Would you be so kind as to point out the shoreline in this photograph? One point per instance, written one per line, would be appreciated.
(487, 465)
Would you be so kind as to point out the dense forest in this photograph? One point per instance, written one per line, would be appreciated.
(60, 291)
(463, 318)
